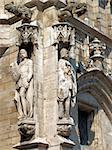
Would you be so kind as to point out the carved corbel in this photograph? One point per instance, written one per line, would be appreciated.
(26, 129)
(65, 127)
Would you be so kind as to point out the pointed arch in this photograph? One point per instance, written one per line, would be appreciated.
(99, 86)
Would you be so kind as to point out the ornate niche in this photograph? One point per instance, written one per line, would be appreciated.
(23, 73)
(67, 88)
(28, 41)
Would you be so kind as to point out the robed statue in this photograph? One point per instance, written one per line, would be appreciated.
(67, 87)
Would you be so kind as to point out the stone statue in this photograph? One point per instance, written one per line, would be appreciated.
(67, 85)
(23, 76)
(20, 11)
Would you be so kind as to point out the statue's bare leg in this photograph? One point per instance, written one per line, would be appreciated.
(60, 109)
(23, 100)
(67, 108)
(18, 104)
(29, 97)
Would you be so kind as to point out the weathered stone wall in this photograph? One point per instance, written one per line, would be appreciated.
(8, 114)
(106, 129)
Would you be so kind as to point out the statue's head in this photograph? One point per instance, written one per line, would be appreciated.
(9, 6)
(64, 53)
(23, 54)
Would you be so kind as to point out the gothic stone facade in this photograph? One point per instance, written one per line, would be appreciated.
(55, 75)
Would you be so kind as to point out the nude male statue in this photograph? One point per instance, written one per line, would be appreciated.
(23, 75)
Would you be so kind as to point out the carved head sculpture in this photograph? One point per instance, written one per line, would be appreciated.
(10, 7)
(23, 54)
(70, 1)
(20, 11)
(64, 53)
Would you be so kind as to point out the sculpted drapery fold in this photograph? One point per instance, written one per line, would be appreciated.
(67, 89)
(67, 84)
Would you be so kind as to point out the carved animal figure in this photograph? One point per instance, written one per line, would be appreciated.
(20, 11)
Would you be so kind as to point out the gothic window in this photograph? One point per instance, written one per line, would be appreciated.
(103, 3)
(85, 120)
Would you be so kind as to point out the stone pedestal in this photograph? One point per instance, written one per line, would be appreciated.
(37, 144)
(61, 143)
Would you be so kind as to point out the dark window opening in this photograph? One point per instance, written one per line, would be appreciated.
(85, 122)
(83, 127)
